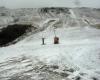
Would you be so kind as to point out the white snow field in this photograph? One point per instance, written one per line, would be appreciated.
(78, 50)
(76, 57)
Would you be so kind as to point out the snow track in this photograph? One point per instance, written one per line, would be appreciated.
(31, 68)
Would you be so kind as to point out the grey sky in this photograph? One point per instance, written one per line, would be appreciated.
(47, 3)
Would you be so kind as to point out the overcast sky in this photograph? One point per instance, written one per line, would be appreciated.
(47, 3)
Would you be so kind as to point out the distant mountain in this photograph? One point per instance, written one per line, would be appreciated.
(66, 16)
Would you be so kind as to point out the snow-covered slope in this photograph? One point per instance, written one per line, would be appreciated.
(37, 15)
(77, 56)
(78, 49)
(85, 40)
(5, 20)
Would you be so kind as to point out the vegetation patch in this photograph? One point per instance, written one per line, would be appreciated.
(11, 32)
